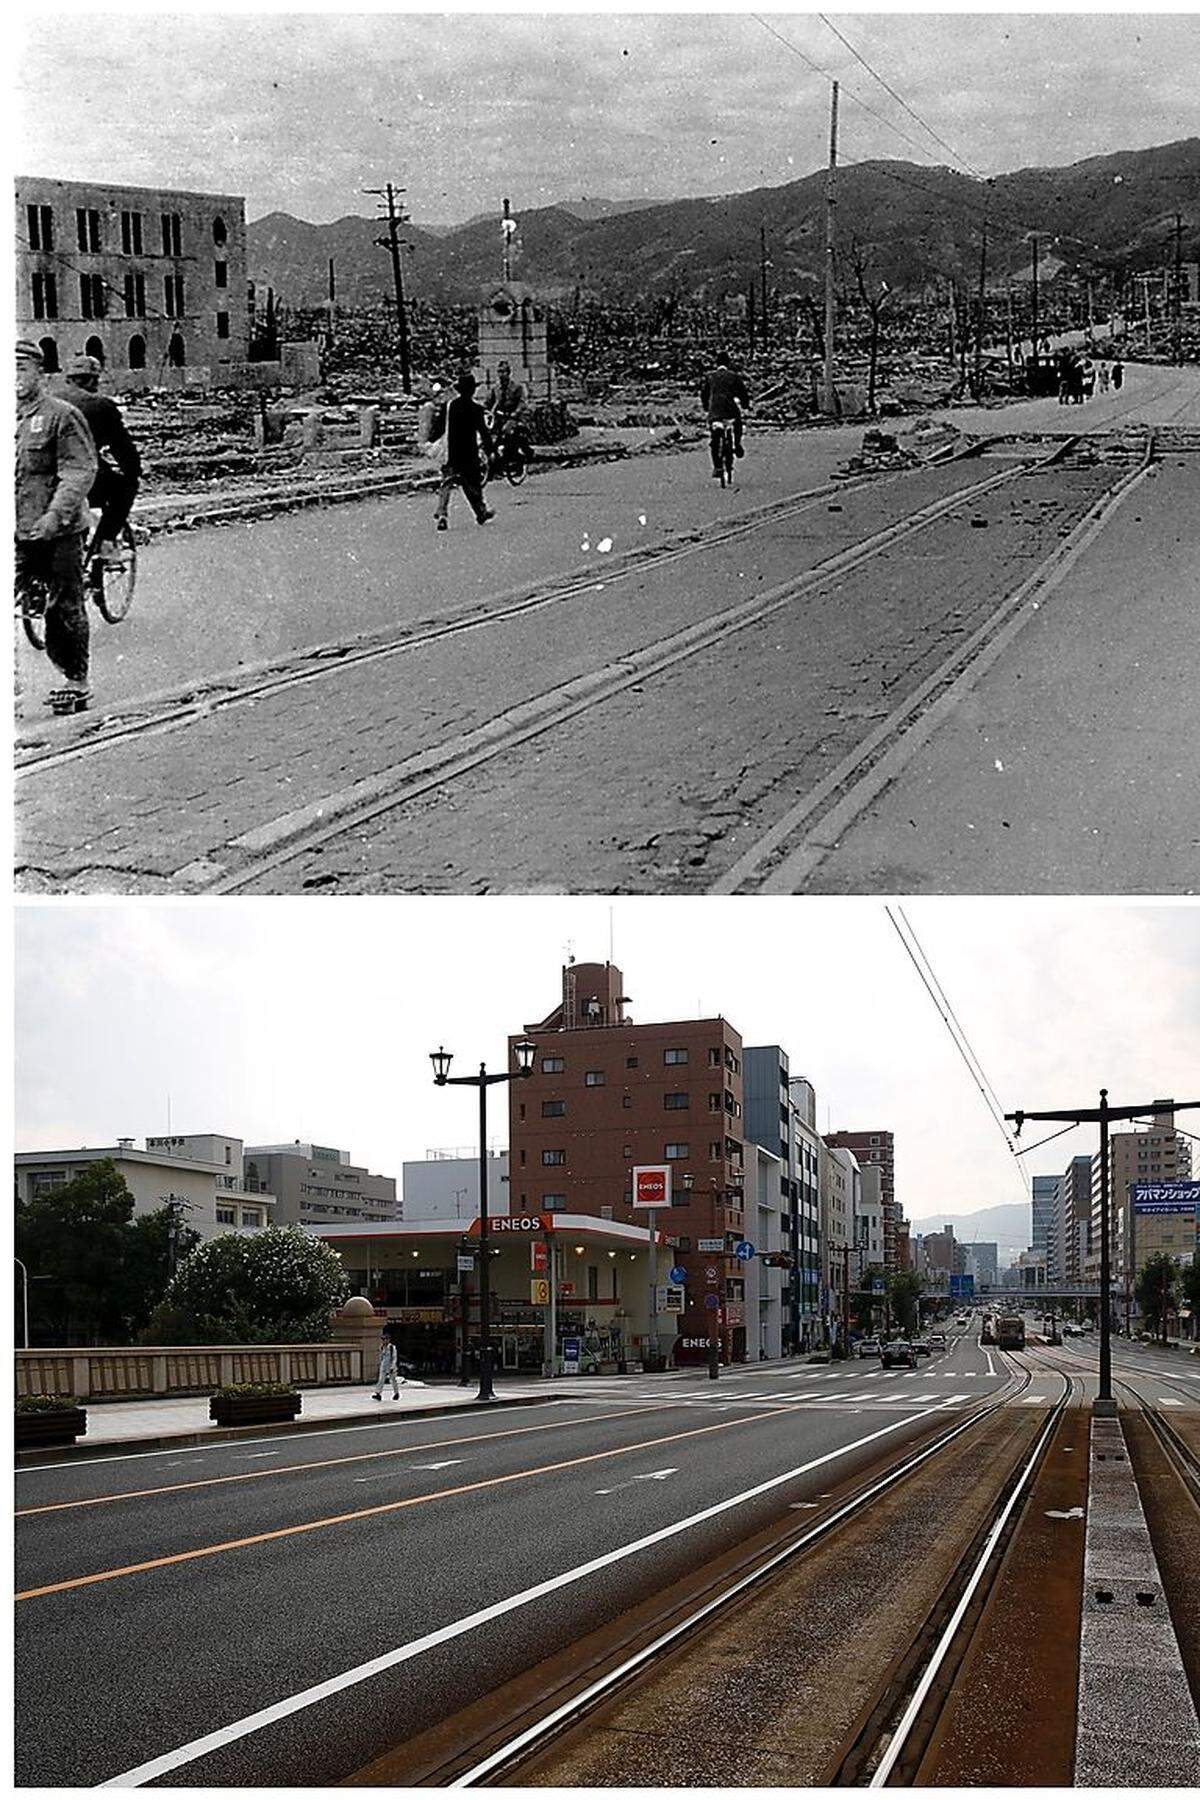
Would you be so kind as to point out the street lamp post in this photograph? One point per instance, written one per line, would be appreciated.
(441, 1059)
(1104, 1115)
(24, 1300)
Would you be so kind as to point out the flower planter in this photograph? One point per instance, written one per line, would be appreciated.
(38, 1430)
(252, 1409)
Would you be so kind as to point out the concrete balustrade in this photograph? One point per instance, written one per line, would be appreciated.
(145, 1372)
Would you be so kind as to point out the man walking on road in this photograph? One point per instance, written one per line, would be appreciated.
(467, 440)
(56, 465)
(389, 1364)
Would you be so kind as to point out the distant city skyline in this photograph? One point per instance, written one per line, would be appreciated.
(271, 1021)
(554, 106)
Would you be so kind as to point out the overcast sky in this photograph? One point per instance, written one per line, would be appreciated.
(299, 111)
(314, 1019)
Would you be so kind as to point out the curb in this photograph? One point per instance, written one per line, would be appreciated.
(224, 1434)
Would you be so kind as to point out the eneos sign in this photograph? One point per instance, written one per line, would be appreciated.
(652, 1186)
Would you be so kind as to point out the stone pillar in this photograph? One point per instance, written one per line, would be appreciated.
(357, 1326)
(512, 329)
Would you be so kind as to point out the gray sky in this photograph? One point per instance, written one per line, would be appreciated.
(300, 111)
(314, 1018)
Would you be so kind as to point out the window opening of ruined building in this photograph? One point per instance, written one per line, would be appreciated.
(41, 227)
(49, 351)
(219, 232)
(95, 348)
(222, 325)
(87, 228)
(137, 352)
(91, 297)
(221, 274)
(171, 236)
(131, 233)
(176, 350)
(45, 295)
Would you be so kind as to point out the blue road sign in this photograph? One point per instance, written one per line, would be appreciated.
(743, 1251)
(712, 1301)
(678, 1275)
(962, 1287)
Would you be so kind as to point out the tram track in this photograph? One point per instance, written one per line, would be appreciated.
(496, 1745)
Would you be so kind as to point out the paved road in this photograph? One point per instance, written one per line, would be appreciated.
(661, 783)
(201, 1589)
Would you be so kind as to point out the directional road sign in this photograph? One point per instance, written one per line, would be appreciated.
(678, 1275)
(743, 1251)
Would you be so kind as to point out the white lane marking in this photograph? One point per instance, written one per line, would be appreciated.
(656, 1475)
(378, 1665)
(452, 1464)
(991, 1366)
(1166, 1400)
(257, 1455)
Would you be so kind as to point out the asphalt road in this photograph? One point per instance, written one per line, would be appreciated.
(423, 1544)
(659, 787)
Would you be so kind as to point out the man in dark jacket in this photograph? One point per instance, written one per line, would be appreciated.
(56, 465)
(723, 394)
(467, 439)
(115, 487)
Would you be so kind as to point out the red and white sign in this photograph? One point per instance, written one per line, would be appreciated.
(652, 1186)
(518, 1224)
(539, 1257)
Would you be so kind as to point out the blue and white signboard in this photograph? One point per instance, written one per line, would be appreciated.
(743, 1251)
(1159, 1199)
(570, 1356)
(678, 1275)
(963, 1286)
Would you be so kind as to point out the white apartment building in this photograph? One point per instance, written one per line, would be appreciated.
(445, 1185)
(203, 1171)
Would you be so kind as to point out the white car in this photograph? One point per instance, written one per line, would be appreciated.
(869, 1347)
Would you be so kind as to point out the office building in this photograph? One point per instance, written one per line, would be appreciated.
(202, 1172)
(876, 1147)
(446, 1185)
(314, 1184)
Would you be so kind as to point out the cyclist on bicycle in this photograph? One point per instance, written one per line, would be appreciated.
(509, 415)
(115, 487)
(56, 465)
(723, 394)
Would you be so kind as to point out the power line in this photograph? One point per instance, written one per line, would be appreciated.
(944, 997)
(900, 100)
(974, 1069)
(888, 124)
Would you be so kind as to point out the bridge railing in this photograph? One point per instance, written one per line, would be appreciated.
(144, 1373)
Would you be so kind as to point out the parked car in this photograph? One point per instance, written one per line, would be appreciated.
(922, 1347)
(898, 1352)
(869, 1346)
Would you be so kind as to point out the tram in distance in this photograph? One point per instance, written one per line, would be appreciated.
(1010, 1332)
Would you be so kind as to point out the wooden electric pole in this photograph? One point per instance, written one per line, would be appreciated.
(978, 376)
(764, 313)
(827, 402)
(392, 242)
(1177, 309)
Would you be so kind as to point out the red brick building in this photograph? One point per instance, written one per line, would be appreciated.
(607, 1096)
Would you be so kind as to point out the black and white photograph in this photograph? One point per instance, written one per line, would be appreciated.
(605, 978)
(676, 453)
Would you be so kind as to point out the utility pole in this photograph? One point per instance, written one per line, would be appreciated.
(764, 313)
(1177, 309)
(1035, 295)
(978, 376)
(827, 402)
(392, 242)
(1104, 1115)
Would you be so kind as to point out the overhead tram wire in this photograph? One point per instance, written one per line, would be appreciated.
(887, 123)
(1027, 1148)
(901, 101)
(997, 1104)
(980, 1080)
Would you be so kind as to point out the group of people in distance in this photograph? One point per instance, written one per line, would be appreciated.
(1079, 377)
(73, 451)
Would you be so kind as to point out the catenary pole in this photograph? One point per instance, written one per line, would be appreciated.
(827, 402)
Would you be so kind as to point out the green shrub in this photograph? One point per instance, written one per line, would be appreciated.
(234, 1389)
(42, 1403)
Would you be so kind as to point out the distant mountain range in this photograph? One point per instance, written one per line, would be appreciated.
(914, 225)
(1006, 1226)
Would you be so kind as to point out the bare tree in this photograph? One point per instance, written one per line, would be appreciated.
(875, 294)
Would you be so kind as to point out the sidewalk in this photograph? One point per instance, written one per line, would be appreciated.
(169, 1424)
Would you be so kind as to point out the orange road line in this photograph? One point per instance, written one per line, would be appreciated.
(391, 1506)
(331, 1462)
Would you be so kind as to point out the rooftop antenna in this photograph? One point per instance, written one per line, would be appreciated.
(611, 951)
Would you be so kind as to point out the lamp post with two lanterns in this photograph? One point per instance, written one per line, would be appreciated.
(526, 1054)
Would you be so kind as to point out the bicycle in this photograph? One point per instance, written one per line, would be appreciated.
(109, 586)
(511, 458)
(722, 445)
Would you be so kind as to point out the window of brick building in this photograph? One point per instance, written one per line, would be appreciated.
(631, 1062)
(671, 1057)
(594, 1078)
(676, 1152)
(675, 1102)
(553, 1065)
(553, 1109)
(552, 1158)
(627, 1101)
